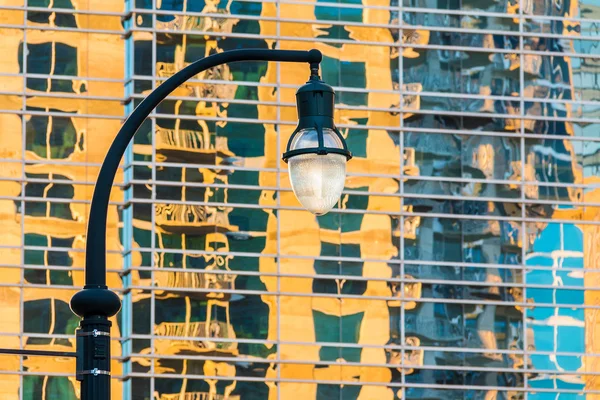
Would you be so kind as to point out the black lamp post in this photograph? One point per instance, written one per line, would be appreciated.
(316, 157)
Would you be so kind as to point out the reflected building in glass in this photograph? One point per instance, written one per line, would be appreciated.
(462, 261)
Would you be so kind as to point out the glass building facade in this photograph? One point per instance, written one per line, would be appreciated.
(463, 259)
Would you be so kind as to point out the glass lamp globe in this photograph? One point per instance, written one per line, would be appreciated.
(317, 179)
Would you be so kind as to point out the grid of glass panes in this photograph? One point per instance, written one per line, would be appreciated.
(460, 263)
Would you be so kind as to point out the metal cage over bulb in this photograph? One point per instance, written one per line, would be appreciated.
(316, 153)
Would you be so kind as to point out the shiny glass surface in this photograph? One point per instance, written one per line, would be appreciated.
(461, 261)
(317, 180)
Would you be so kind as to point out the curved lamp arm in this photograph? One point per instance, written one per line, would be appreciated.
(95, 257)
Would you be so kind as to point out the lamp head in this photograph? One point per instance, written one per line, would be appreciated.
(316, 152)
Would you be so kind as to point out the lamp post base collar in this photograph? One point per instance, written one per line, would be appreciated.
(95, 302)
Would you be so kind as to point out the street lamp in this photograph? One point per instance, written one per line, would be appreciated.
(316, 152)
(316, 156)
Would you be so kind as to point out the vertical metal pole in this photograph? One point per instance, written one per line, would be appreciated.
(93, 359)
(95, 305)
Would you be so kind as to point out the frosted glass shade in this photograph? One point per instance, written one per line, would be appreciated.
(317, 179)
